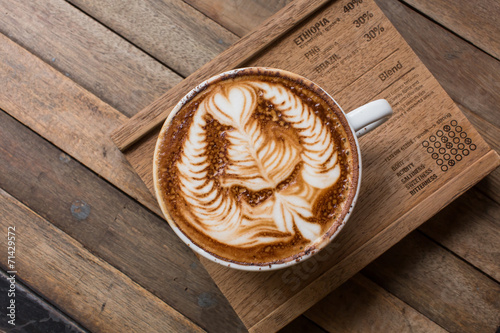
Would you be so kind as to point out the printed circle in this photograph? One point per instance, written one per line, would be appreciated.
(458, 157)
(463, 135)
(454, 151)
(456, 140)
(444, 139)
(461, 146)
(442, 150)
(432, 138)
(439, 162)
(430, 150)
(446, 128)
(444, 168)
(465, 152)
(458, 128)
(447, 156)
(451, 162)
(472, 147)
(468, 141)
(451, 134)
(449, 145)
(453, 123)
(437, 144)
(435, 155)
(425, 144)
(439, 133)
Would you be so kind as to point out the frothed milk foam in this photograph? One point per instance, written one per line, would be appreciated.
(256, 168)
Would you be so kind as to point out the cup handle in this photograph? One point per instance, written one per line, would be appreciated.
(369, 116)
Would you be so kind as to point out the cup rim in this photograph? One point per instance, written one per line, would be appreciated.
(322, 241)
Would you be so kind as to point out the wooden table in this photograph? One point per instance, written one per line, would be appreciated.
(91, 254)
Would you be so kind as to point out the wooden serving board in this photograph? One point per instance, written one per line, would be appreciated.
(426, 155)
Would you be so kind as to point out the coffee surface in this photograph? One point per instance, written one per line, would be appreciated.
(257, 169)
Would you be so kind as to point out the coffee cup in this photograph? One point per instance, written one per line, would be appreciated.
(259, 168)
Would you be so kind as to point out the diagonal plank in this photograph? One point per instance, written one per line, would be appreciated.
(415, 270)
(110, 225)
(89, 53)
(67, 115)
(470, 228)
(238, 16)
(475, 21)
(87, 288)
(170, 30)
(360, 305)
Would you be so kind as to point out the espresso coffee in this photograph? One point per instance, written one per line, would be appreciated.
(257, 168)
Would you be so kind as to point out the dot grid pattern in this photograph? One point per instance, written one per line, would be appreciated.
(449, 145)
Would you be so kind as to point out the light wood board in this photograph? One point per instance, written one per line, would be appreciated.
(414, 165)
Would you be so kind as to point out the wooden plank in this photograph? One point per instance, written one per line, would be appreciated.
(445, 288)
(34, 314)
(469, 76)
(475, 21)
(360, 305)
(67, 115)
(110, 225)
(238, 16)
(90, 54)
(170, 30)
(235, 56)
(86, 287)
(470, 228)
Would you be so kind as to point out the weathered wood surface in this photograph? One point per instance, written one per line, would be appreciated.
(358, 305)
(469, 303)
(475, 21)
(67, 115)
(173, 32)
(85, 286)
(446, 55)
(96, 58)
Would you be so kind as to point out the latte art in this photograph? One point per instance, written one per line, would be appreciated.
(256, 169)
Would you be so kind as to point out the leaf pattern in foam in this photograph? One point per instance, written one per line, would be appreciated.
(258, 160)
(320, 168)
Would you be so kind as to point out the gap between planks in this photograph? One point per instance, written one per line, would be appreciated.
(50, 258)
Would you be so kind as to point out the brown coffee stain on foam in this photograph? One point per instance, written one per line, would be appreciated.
(338, 198)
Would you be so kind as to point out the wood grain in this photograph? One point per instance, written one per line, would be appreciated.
(170, 30)
(93, 56)
(86, 287)
(469, 227)
(110, 225)
(233, 57)
(238, 16)
(469, 302)
(67, 115)
(360, 305)
(475, 21)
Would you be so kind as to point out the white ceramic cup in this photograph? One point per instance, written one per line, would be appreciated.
(361, 121)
